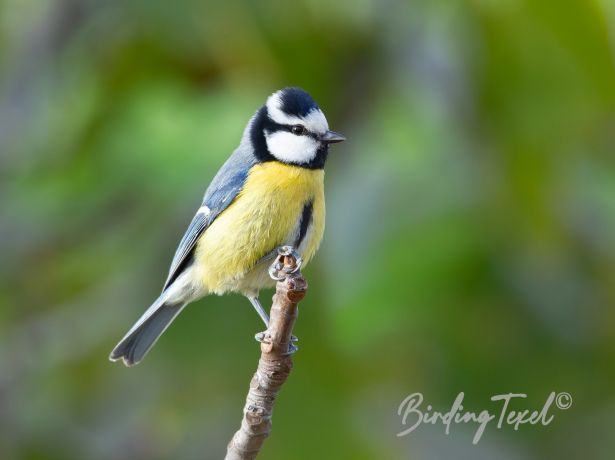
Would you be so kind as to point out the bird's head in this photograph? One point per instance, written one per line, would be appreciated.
(292, 129)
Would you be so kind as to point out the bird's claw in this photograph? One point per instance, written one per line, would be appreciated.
(286, 263)
(264, 337)
(292, 348)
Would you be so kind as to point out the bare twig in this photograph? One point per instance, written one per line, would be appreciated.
(275, 362)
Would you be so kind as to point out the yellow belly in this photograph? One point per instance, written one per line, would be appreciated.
(262, 217)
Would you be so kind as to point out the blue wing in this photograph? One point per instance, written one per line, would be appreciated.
(225, 186)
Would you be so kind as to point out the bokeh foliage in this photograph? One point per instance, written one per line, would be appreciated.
(469, 243)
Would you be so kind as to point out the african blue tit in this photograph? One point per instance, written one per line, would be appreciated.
(269, 193)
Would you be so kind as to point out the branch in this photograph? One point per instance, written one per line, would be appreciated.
(275, 362)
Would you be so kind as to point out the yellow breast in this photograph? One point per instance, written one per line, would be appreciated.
(262, 217)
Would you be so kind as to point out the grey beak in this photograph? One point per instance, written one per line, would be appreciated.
(331, 137)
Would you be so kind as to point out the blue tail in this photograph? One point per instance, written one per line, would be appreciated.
(143, 335)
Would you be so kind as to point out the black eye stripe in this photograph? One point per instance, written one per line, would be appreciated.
(272, 126)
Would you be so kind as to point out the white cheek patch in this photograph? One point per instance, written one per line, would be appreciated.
(290, 148)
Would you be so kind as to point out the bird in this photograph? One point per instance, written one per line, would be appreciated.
(269, 193)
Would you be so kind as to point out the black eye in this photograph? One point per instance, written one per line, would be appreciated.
(298, 130)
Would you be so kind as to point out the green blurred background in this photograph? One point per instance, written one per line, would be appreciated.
(470, 242)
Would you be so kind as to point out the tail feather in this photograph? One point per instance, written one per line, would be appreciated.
(146, 331)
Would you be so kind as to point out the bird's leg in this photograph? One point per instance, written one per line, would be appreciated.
(260, 337)
(259, 309)
(268, 257)
(265, 317)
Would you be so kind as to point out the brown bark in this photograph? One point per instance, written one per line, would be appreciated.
(275, 362)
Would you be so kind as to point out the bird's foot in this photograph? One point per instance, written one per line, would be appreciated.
(288, 261)
(262, 337)
(265, 337)
(292, 348)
